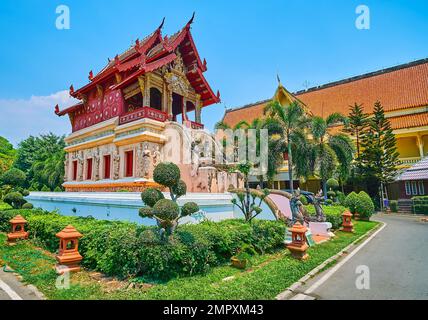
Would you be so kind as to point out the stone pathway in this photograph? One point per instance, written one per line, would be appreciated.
(396, 260)
(12, 289)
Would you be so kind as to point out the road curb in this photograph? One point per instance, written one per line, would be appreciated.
(291, 290)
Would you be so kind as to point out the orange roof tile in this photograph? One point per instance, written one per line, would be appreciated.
(400, 87)
(409, 121)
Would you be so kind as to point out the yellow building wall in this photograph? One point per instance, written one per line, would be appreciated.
(408, 147)
(425, 142)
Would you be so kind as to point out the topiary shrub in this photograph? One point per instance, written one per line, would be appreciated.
(57, 189)
(13, 177)
(331, 194)
(14, 199)
(167, 174)
(365, 206)
(329, 202)
(351, 201)
(150, 196)
(166, 212)
(332, 184)
(45, 189)
(28, 206)
(393, 205)
(189, 208)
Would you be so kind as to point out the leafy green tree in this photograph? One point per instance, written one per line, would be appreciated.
(292, 119)
(275, 143)
(356, 124)
(7, 155)
(42, 159)
(330, 150)
(13, 177)
(379, 158)
(247, 200)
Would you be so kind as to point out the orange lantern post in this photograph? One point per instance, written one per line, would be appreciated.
(298, 245)
(68, 255)
(347, 225)
(18, 229)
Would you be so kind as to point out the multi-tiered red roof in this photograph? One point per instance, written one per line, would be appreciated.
(147, 55)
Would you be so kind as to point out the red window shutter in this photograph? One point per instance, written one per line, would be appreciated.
(74, 170)
(129, 159)
(89, 169)
(107, 164)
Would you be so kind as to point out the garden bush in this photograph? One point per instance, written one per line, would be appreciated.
(45, 189)
(332, 184)
(333, 214)
(13, 177)
(351, 201)
(27, 206)
(126, 249)
(393, 205)
(14, 199)
(365, 206)
(420, 205)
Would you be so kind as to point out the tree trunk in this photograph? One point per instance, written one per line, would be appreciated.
(324, 188)
(290, 166)
(247, 204)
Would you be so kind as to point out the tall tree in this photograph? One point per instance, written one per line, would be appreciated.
(292, 119)
(42, 159)
(7, 155)
(356, 124)
(330, 149)
(379, 157)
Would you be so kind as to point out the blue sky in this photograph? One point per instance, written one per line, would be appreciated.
(246, 43)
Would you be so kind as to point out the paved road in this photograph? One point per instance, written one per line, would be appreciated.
(12, 289)
(397, 258)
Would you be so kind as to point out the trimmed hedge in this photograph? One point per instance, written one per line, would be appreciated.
(125, 249)
(333, 214)
(420, 205)
(393, 205)
(365, 206)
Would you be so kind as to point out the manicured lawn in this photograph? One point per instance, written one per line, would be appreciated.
(269, 275)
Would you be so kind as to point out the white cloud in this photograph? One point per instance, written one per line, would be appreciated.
(20, 118)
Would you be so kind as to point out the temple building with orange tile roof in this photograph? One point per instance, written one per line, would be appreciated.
(402, 91)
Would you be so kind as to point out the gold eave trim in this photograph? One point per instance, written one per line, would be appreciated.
(140, 137)
(110, 124)
(90, 144)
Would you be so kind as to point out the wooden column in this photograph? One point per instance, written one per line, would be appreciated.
(420, 144)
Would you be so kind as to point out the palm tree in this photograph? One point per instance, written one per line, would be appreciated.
(330, 149)
(292, 119)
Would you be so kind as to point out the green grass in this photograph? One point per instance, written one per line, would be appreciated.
(268, 276)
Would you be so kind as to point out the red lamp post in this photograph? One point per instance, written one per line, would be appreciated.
(298, 245)
(18, 229)
(347, 225)
(68, 255)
